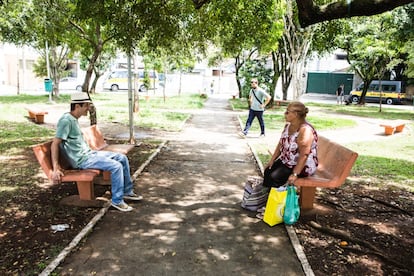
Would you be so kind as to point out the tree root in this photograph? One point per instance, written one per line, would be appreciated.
(343, 235)
(336, 205)
(340, 206)
(387, 204)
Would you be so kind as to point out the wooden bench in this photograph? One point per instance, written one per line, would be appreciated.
(83, 178)
(281, 102)
(335, 164)
(38, 116)
(96, 141)
(390, 129)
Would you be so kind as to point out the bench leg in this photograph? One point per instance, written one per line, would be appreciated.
(32, 115)
(399, 128)
(85, 190)
(307, 197)
(389, 130)
(106, 175)
(40, 119)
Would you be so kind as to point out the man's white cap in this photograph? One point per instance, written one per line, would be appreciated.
(80, 98)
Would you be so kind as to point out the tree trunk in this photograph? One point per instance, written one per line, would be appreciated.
(276, 74)
(88, 76)
(238, 65)
(295, 45)
(95, 81)
(135, 87)
(58, 56)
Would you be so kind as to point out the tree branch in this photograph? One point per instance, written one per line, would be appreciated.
(199, 3)
(309, 13)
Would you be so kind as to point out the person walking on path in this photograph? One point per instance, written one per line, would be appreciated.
(340, 94)
(258, 99)
(69, 140)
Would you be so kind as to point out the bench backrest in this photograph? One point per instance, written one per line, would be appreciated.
(94, 137)
(43, 155)
(335, 161)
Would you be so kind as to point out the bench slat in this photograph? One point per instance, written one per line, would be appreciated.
(79, 175)
(96, 141)
(120, 148)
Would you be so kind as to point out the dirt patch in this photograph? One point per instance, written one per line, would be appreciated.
(27, 242)
(360, 230)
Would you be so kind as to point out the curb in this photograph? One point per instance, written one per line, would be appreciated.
(88, 228)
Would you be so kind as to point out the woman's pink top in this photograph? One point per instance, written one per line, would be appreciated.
(289, 150)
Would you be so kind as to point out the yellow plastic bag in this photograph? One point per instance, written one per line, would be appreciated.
(275, 206)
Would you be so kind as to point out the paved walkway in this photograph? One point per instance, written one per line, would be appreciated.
(190, 221)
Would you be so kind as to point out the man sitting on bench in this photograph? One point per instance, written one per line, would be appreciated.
(69, 138)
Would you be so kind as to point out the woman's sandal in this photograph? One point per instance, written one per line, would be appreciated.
(259, 215)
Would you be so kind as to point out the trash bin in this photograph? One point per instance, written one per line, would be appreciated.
(48, 85)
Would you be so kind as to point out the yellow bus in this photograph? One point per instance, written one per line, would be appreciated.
(390, 92)
(118, 80)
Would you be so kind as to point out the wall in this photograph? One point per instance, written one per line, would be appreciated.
(328, 82)
(16, 65)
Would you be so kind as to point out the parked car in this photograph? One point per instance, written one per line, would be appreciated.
(118, 80)
(69, 83)
(390, 92)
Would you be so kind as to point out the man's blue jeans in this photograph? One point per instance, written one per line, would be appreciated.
(118, 165)
(252, 114)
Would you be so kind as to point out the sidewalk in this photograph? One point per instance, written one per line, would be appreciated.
(190, 221)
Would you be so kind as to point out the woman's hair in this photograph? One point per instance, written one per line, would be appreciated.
(300, 109)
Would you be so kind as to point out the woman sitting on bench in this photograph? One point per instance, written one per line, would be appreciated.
(296, 153)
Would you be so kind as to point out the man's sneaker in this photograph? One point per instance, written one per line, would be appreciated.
(123, 207)
(242, 134)
(133, 196)
(262, 135)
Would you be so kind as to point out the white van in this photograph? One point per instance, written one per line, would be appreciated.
(118, 80)
(391, 92)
